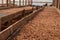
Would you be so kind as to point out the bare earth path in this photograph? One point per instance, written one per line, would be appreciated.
(45, 26)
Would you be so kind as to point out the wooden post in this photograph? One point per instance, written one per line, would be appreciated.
(19, 2)
(23, 2)
(53, 2)
(28, 2)
(13, 3)
(0, 24)
(2, 2)
(7, 2)
(59, 4)
(56, 3)
(31, 2)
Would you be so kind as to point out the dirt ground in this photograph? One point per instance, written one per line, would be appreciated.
(45, 26)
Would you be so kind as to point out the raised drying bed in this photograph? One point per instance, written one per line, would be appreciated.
(10, 16)
(8, 32)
